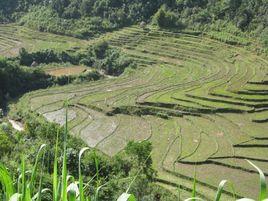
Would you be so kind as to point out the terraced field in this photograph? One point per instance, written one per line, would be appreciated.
(13, 37)
(214, 95)
(64, 70)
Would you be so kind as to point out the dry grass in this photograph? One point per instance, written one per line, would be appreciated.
(60, 71)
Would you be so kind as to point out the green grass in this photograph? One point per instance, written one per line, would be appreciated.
(13, 37)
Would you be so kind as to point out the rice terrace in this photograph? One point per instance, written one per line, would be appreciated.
(200, 99)
(214, 95)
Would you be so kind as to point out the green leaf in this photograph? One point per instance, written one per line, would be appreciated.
(41, 180)
(81, 188)
(64, 166)
(28, 193)
(6, 181)
(263, 188)
(220, 189)
(126, 197)
(194, 184)
(33, 177)
(55, 171)
(97, 191)
(23, 179)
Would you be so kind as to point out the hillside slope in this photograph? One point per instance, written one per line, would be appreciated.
(86, 18)
(199, 101)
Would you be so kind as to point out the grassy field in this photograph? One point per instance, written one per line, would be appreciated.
(13, 37)
(65, 70)
(214, 95)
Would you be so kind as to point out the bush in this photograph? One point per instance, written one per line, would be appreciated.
(6, 142)
(264, 37)
(85, 77)
(86, 61)
(100, 49)
(111, 61)
(44, 56)
(165, 18)
(15, 80)
(43, 19)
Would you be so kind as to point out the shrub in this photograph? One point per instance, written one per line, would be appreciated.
(86, 61)
(44, 56)
(100, 49)
(15, 80)
(6, 142)
(165, 18)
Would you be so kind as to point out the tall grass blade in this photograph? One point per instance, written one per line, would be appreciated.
(6, 182)
(64, 167)
(23, 179)
(28, 193)
(96, 197)
(232, 190)
(194, 184)
(41, 180)
(263, 187)
(55, 171)
(88, 183)
(33, 177)
(220, 189)
(97, 167)
(81, 188)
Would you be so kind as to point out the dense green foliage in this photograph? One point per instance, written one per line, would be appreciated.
(6, 139)
(101, 56)
(45, 56)
(167, 19)
(15, 80)
(116, 174)
(85, 18)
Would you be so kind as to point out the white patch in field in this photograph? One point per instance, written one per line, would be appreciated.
(59, 116)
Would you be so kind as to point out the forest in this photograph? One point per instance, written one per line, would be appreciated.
(87, 18)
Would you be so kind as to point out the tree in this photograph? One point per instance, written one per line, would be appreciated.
(100, 49)
(165, 18)
(86, 7)
(25, 57)
(60, 5)
(141, 150)
(6, 143)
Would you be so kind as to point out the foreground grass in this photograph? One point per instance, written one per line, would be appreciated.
(67, 188)
(28, 185)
